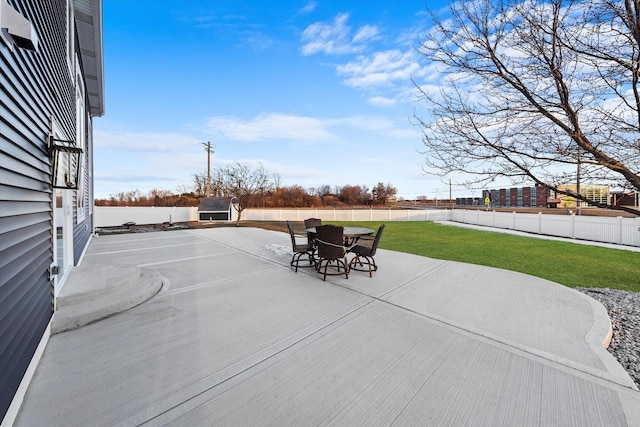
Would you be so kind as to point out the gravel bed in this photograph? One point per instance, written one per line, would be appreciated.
(624, 310)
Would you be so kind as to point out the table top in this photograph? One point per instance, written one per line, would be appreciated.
(349, 231)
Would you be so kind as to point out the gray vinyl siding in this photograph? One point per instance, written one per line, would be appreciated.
(81, 234)
(34, 86)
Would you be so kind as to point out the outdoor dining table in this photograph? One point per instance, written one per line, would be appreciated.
(351, 234)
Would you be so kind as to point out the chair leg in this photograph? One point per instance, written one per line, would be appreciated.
(323, 269)
(361, 260)
(295, 259)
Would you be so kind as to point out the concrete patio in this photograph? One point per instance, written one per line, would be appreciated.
(235, 337)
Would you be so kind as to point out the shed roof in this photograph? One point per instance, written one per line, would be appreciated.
(215, 204)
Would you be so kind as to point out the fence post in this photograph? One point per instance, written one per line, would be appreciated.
(620, 230)
(573, 226)
(513, 227)
(539, 222)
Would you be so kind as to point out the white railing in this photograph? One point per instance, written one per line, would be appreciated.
(618, 230)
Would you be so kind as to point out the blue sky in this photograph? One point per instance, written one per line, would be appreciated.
(319, 92)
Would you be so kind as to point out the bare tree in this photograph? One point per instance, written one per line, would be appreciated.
(547, 92)
(243, 181)
(383, 193)
(354, 195)
(200, 184)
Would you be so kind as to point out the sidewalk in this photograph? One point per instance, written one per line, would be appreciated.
(235, 337)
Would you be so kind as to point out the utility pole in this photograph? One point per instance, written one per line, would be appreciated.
(209, 150)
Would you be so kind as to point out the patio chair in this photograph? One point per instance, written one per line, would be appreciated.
(364, 252)
(300, 249)
(311, 223)
(331, 251)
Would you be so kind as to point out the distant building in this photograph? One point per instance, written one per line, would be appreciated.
(536, 196)
(541, 197)
(620, 198)
(52, 87)
(596, 193)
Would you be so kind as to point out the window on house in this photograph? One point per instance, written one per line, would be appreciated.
(81, 142)
(70, 34)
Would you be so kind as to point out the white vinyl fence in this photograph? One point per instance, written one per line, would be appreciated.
(113, 216)
(347, 214)
(618, 230)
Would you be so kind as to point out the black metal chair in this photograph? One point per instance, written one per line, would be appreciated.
(365, 251)
(331, 251)
(311, 223)
(300, 249)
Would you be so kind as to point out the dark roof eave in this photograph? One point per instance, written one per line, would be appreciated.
(89, 26)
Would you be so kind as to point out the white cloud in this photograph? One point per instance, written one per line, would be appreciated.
(365, 33)
(381, 101)
(270, 126)
(382, 68)
(335, 38)
(283, 127)
(137, 141)
(308, 8)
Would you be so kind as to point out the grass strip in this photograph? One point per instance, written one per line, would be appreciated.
(570, 264)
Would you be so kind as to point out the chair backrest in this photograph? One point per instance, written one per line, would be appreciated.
(376, 240)
(330, 241)
(291, 233)
(312, 222)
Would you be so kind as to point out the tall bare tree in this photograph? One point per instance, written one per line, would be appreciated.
(547, 92)
(244, 181)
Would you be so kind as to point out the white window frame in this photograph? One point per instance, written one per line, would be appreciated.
(81, 142)
(70, 36)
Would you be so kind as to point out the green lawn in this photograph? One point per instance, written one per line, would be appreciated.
(563, 262)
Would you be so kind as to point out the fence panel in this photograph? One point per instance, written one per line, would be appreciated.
(113, 216)
(504, 220)
(529, 223)
(557, 225)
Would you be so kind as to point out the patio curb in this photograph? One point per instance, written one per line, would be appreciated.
(94, 293)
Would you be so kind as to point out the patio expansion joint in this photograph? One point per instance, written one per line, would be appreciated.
(244, 251)
(119, 251)
(603, 378)
(166, 290)
(203, 391)
(606, 378)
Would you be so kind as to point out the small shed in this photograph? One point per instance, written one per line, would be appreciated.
(218, 209)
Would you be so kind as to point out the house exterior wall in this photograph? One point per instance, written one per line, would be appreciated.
(38, 90)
